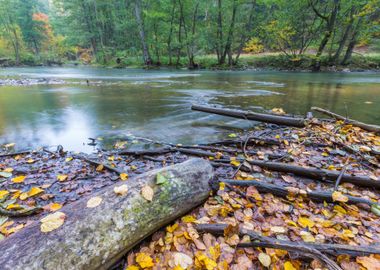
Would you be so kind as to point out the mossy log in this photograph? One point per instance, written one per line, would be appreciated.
(96, 238)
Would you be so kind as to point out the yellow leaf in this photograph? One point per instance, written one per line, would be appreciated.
(30, 161)
(62, 177)
(9, 145)
(34, 191)
(188, 219)
(121, 190)
(94, 202)
(178, 267)
(3, 193)
(222, 185)
(235, 163)
(172, 228)
(69, 159)
(111, 158)
(100, 168)
(340, 209)
(289, 266)
(144, 260)
(132, 267)
(305, 222)
(339, 197)
(52, 222)
(307, 237)
(14, 206)
(123, 176)
(55, 206)
(9, 170)
(265, 259)
(24, 196)
(147, 192)
(18, 179)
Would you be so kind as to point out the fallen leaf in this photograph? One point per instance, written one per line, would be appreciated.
(121, 190)
(55, 206)
(69, 159)
(100, 168)
(94, 202)
(35, 191)
(18, 179)
(3, 193)
(339, 197)
(5, 174)
(265, 259)
(147, 192)
(123, 176)
(30, 161)
(62, 177)
(289, 266)
(305, 222)
(161, 179)
(144, 260)
(370, 262)
(52, 222)
(182, 260)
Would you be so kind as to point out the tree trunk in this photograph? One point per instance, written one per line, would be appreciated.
(219, 33)
(228, 46)
(331, 20)
(352, 43)
(140, 23)
(171, 33)
(96, 238)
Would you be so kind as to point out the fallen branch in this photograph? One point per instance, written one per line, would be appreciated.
(96, 163)
(96, 238)
(283, 191)
(308, 250)
(318, 174)
(368, 127)
(20, 213)
(331, 249)
(268, 118)
(16, 153)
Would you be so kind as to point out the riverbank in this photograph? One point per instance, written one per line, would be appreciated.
(265, 61)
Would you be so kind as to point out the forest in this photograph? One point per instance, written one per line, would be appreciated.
(193, 34)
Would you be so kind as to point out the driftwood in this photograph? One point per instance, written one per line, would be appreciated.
(368, 127)
(283, 191)
(307, 250)
(261, 117)
(317, 174)
(96, 238)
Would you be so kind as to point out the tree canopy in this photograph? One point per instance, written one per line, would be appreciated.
(176, 32)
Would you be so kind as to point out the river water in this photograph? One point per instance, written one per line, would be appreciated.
(156, 104)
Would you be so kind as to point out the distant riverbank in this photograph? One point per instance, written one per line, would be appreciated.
(269, 61)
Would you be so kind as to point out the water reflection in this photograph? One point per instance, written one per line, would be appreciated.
(156, 104)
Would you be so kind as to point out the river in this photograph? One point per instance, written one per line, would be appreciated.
(122, 103)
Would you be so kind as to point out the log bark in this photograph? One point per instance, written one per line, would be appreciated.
(268, 118)
(283, 191)
(95, 238)
(368, 127)
(317, 174)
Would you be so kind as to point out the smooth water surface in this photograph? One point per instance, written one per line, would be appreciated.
(156, 104)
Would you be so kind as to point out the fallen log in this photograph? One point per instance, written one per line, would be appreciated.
(261, 117)
(368, 127)
(317, 174)
(96, 238)
(15, 153)
(283, 191)
(264, 241)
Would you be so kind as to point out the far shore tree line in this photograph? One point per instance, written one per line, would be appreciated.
(180, 32)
